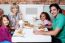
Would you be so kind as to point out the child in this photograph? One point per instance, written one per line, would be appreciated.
(5, 36)
(46, 19)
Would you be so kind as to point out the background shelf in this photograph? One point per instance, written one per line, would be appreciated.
(46, 2)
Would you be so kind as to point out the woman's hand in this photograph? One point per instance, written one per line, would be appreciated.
(38, 32)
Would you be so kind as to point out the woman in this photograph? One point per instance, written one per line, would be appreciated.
(14, 17)
(58, 25)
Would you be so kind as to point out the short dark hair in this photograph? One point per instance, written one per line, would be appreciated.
(57, 7)
(47, 15)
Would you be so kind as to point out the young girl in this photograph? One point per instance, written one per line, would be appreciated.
(44, 17)
(5, 36)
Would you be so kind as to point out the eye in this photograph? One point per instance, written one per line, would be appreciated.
(50, 11)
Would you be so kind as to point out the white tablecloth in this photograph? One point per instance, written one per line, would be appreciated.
(39, 38)
(30, 37)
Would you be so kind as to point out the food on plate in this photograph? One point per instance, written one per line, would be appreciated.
(18, 32)
(27, 24)
(41, 28)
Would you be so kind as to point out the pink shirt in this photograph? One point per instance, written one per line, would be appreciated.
(46, 22)
(4, 34)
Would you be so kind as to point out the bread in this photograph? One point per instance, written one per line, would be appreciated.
(27, 24)
(41, 28)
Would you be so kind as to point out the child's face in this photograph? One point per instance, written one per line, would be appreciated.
(5, 21)
(43, 17)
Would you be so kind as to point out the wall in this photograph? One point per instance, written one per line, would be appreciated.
(23, 7)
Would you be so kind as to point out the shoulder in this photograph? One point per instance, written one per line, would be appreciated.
(61, 15)
(47, 21)
(9, 15)
(19, 13)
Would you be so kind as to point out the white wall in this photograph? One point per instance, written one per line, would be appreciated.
(6, 8)
(37, 9)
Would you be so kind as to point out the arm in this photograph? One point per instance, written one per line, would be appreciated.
(53, 32)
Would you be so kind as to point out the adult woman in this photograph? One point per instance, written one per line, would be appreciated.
(14, 16)
(58, 25)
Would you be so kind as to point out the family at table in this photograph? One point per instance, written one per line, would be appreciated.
(14, 21)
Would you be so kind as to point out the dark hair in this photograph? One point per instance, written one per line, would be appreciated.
(57, 7)
(47, 15)
(1, 12)
(1, 18)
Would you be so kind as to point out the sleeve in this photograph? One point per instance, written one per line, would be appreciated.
(7, 35)
(60, 22)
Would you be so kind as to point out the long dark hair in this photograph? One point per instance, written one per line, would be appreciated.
(47, 15)
(56, 6)
(8, 26)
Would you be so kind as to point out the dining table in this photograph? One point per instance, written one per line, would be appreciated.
(28, 36)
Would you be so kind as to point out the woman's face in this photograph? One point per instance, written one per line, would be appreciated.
(14, 10)
(43, 17)
(5, 21)
(54, 11)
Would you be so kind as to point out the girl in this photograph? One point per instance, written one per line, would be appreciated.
(5, 36)
(44, 17)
